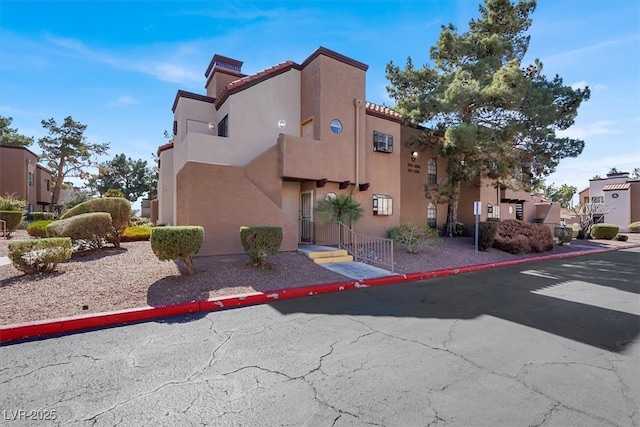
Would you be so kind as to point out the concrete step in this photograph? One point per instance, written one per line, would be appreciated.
(333, 259)
(327, 253)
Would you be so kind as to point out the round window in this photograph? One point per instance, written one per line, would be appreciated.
(336, 126)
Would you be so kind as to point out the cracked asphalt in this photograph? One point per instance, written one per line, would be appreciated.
(550, 343)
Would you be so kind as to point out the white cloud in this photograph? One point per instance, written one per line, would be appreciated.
(583, 83)
(122, 101)
(593, 47)
(179, 69)
(602, 127)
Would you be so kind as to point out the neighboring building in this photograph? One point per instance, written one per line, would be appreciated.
(614, 199)
(264, 149)
(22, 176)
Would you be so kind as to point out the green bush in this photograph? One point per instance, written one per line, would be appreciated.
(177, 242)
(136, 233)
(487, 231)
(11, 203)
(260, 242)
(39, 255)
(38, 228)
(622, 238)
(563, 234)
(90, 229)
(516, 237)
(41, 216)
(13, 220)
(459, 228)
(604, 230)
(118, 207)
(137, 220)
(634, 227)
(414, 237)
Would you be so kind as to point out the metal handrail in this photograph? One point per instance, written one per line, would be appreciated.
(364, 248)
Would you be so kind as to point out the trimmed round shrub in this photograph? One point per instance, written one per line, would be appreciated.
(487, 231)
(260, 242)
(38, 228)
(177, 242)
(519, 237)
(119, 208)
(604, 231)
(136, 233)
(13, 220)
(634, 227)
(92, 228)
(39, 255)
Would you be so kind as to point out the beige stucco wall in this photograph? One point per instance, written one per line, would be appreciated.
(635, 201)
(618, 209)
(414, 176)
(254, 114)
(221, 199)
(166, 188)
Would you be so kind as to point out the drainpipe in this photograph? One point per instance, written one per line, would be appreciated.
(357, 103)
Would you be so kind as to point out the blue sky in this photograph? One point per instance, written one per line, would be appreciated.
(116, 66)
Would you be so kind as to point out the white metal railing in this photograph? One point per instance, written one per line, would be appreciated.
(364, 248)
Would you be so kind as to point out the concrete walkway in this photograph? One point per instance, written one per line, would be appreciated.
(353, 270)
(4, 260)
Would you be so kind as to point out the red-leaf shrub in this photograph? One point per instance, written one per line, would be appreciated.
(518, 237)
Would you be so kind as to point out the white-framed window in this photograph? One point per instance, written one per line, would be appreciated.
(382, 142)
(336, 126)
(432, 213)
(597, 199)
(432, 171)
(382, 204)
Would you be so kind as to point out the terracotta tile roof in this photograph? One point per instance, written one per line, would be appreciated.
(382, 112)
(253, 79)
(616, 187)
(164, 147)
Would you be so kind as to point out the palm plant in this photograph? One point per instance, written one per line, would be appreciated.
(341, 208)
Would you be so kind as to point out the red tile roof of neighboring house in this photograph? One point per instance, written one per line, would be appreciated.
(382, 112)
(616, 187)
(253, 79)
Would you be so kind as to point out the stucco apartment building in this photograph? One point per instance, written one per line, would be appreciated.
(614, 199)
(263, 149)
(22, 177)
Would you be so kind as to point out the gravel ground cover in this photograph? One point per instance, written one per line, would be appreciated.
(129, 277)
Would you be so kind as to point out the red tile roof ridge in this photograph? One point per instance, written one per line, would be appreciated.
(381, 109)
(236, 84)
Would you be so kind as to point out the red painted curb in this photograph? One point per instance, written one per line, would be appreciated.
(43, 328)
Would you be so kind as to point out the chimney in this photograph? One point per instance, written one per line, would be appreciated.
(220, 72)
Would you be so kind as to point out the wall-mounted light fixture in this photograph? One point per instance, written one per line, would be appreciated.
(282, 124)
(344, 184)
(364, 187)
(212, 126)
(321, 182)
(414, 154)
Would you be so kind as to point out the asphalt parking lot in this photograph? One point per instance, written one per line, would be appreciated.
(551, 343)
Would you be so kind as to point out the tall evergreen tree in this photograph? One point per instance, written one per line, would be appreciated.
(10, 136)
(487, 113)
(67, 153)
(132, 177)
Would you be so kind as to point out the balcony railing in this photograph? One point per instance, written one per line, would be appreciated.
(364, 248)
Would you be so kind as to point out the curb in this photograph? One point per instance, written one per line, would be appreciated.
(53, 327)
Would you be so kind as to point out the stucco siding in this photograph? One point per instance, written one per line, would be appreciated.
(221, 199)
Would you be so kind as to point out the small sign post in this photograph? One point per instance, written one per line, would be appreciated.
(477, 210)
